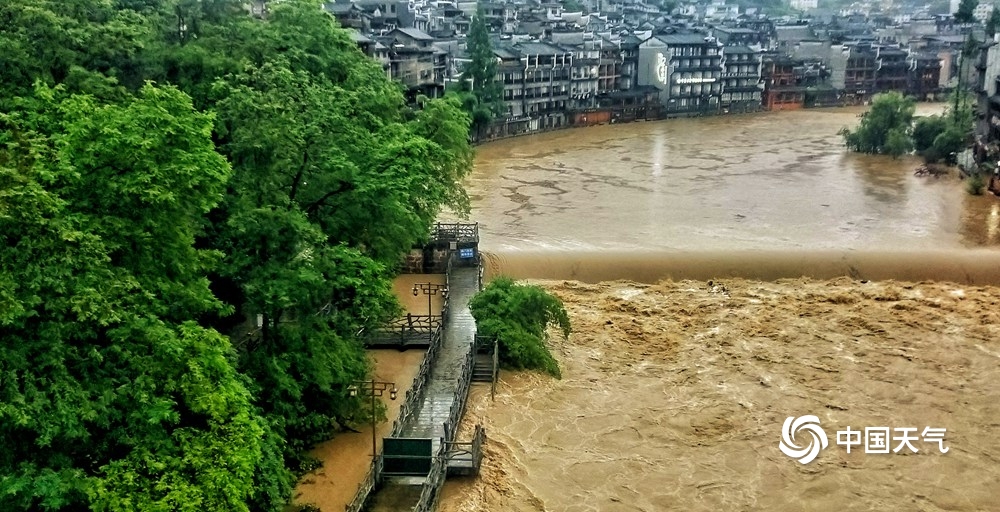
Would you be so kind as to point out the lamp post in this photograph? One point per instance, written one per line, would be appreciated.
(429, 289)
(374, 388)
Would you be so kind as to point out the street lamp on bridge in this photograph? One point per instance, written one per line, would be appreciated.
(374, 388)
(429, 289)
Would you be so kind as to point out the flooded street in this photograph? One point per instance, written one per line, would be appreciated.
(674, 390)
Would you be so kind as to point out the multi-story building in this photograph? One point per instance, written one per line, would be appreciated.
(780, 89)
(731, 36)
(609, 67)
(892, 70)
(537, 80)
(924, 76)
(988, 95)
(630, 62)
(686, 69)
(584, 76)
(764, 28)
(741, 82)
(416, 62)
(860, 75)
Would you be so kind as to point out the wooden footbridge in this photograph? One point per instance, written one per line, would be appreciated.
(422, 449)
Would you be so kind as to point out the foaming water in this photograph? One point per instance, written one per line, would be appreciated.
(976, 267)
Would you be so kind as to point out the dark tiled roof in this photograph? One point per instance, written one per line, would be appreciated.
(416, 33)
(540, 49)
(682, 38)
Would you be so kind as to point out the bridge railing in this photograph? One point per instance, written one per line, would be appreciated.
(473, 449)
(438, 472)
(461, 396)
(455, 232)
(432, 486)
(414, 395)
(447, 286)
(365, 489)
(407, 330)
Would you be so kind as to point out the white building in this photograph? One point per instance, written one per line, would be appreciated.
(982, 11)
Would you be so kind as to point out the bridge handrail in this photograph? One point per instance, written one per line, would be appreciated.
(447, 286)
(369, 483)
(411, 322)
(477, 444)
(431, 487)
(472, 447)
(461, 395)
(415, 394)
(458, 232)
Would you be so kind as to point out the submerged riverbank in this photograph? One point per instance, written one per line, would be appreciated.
(674, 395)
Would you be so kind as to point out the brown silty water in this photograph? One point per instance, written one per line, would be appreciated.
(843, 287)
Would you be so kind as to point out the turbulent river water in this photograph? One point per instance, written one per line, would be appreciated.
(843, 287)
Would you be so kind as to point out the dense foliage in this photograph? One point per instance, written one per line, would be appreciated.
(518, 316)
(889, 128)
(993, 23)
(966, 11)
(168, 170)
(481, 93)
(887, 121)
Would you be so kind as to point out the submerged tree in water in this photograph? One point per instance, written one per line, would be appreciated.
(518, 315)
(884, 127)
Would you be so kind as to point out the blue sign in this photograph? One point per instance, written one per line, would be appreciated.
(466, 253)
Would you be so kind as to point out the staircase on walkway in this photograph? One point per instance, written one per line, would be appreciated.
(440, 392)
(483, 369)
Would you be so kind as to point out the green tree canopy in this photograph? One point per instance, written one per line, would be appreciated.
(993, 23)
(111, 397)
(484, 93)
(518, 315)
(926, 129)
(890, 113)
(195, 167)
(965, 12)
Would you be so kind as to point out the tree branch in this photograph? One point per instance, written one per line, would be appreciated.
(298, 178)
(345, 186)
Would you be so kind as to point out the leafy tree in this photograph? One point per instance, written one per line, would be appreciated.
(975, 184)
(111, 398)
(993, 23)
(964, 14)
(889, 112)
(51, 40)
(479, 78)
(926, 129)
(948, 143)
(898, 142)
(153, 239)
(961, 113)
(332, 183)
(518, 315)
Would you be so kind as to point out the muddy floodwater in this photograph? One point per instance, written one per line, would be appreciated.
(843, 286)
(766, 181)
